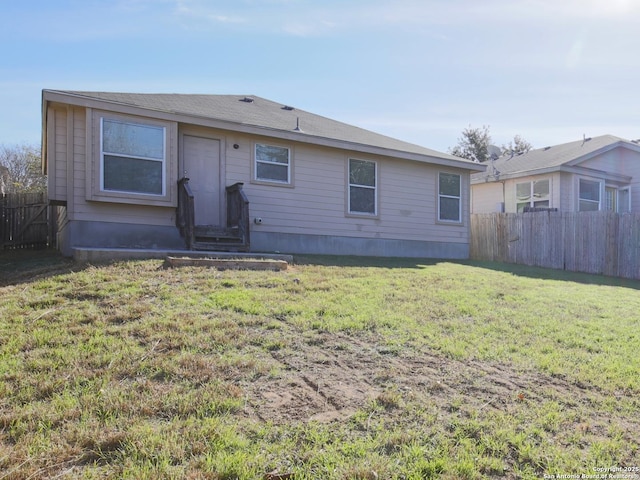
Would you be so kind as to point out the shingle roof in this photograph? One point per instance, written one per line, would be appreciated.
(552, 157)
(251, 110)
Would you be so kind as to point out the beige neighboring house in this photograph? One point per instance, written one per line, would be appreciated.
(234, 172)
(600, 173)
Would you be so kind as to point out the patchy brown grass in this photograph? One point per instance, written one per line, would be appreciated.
(336, 368)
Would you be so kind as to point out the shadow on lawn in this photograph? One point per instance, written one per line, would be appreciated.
(22, 266)
(553, 274)
(419, 263)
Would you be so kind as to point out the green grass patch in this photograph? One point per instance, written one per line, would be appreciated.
(336, 368)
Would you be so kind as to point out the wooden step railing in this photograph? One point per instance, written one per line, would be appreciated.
(238, 212)
(186, 214)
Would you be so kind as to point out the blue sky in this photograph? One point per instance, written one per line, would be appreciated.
(418, 70)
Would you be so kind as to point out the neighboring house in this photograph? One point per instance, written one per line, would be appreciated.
(600, 173)
(119, 162)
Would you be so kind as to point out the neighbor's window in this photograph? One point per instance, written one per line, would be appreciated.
(272, 163)
(589, 196)
(449, 197)
(362, 187)
(624, 200)
(616, 199)
(610, 199)
(132, 157)
(532, 194)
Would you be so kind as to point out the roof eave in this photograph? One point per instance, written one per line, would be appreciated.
(293, 135)
(476, 179)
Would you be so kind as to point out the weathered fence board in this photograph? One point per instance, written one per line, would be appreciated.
(24, 220)
(593, 242)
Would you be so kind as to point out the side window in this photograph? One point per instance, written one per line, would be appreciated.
(589, 196)
(624, 200)
(449, 198)
(132, 157)
(362, 187)
(532, 194)
(272, 164)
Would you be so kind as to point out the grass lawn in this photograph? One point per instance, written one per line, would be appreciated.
(338, 368)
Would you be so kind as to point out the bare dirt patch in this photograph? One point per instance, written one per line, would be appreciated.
(333, 376)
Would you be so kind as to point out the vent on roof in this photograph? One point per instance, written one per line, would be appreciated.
(287, 107)
(247, 100)
(547, 148)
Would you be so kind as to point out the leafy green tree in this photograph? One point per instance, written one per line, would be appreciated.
(517, 146)
(474, 144)
(21, 170)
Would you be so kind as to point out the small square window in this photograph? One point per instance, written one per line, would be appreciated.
(532, 194)
(589, 196)
(272, 163)
(132, 157)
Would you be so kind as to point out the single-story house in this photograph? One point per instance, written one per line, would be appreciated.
(235, 172)
(600, 173)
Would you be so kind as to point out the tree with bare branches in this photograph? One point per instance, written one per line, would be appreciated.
(21, 170)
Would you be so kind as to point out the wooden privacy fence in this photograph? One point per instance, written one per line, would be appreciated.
(24, 220)
(593, 242)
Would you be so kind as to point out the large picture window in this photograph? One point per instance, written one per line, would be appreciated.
(362, 187)
(449, 197)
(532, 194)
(132, 157)
(589, 196)
(272, 163)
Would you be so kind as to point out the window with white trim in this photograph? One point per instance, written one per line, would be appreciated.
(272, 163)
(132, 157)
(363, 192)
(532, 194)
(449, 197)
(610, 199)
(624, 200)
(617, 199)
(588, 195)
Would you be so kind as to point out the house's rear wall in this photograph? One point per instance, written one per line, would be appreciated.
(310, 216)
(334, 245)
(317, 202)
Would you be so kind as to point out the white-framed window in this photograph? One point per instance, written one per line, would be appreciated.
(624, 200)
(610, 199)
(272, 163)
(363, 189)
(535, 193)
(617, 199)
(132, 157)
(449, 197)
(588, 195)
